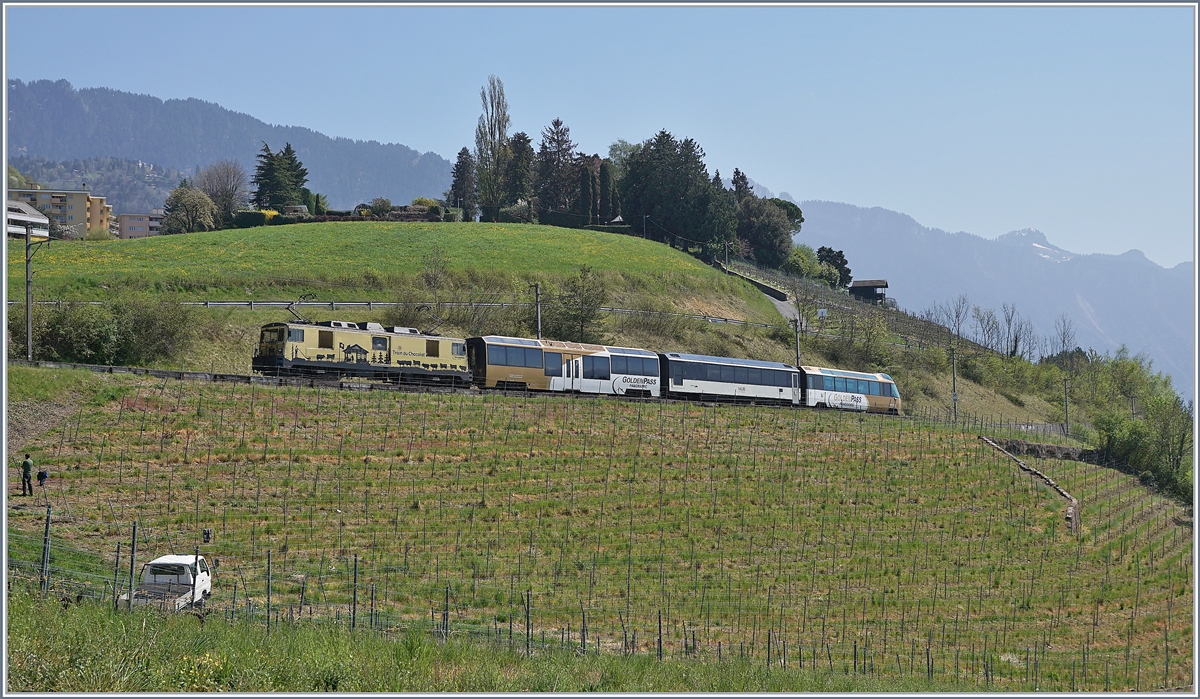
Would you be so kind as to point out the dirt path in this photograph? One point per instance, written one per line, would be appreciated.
(27, 420)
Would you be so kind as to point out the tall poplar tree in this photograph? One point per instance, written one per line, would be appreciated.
(491, 144)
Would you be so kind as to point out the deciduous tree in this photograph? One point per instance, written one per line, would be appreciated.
(188, 210)
(491, 144)
(225, 184)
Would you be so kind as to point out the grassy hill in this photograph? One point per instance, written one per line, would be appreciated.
(880, 549)
(389, 262)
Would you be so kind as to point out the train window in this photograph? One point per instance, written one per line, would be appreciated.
(458, 349)
(756, 377)
(649, 366)
(712, 372)
(727, 374)
(325, 339)
(379, 344)
(816, 383)
(677, 370)
(795, 380)
(693, 371)
(895, 391)
(620, 365)
(595, 368)
(533, 358)
(554, 364)
(741, 374)
(296, 334)
(874, 387)
(839, 384)
(433, 348)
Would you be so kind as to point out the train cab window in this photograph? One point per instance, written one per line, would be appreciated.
(620, 365)
(296, 334)
(325, 339)
(554, 363)
(433, 348)
(595, 368)
(458, 349)
(379, 344)
(895, 391)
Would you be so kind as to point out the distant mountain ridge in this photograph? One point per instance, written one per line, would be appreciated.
(1112, 299)
(53, 120)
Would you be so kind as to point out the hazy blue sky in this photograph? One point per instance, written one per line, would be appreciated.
(1076, 121)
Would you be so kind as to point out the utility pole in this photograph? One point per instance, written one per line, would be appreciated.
(537, 295)
(31, 248)
(1066, 409)
(726, 257)
(643, 226)
(954, 382)
(796, 322)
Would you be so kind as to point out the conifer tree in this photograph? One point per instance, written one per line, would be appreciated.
(462, 185)
(606, 192)
(584, 202)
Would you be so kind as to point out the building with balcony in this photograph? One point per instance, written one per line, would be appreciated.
(19, 215)
(78, 211)
(139, 225)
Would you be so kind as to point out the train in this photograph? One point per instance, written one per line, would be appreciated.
(405, 355)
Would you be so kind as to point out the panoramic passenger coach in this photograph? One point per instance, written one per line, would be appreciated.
(850, 390)
(726, 378)
(548, 365)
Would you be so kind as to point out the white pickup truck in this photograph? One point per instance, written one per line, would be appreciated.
(170, 582)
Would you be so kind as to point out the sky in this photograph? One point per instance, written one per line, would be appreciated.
(1077, 121)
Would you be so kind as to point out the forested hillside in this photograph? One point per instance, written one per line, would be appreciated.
(58, 122)
(130, 186)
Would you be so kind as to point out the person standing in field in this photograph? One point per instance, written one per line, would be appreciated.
(27, 476)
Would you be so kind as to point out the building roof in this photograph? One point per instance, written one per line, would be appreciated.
(869, 283)
(19, 213)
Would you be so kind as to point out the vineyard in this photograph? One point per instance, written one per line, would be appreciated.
(837, 543)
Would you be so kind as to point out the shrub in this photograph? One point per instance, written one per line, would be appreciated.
(128, 329)
(435, 213)
(423, 201)
(270, 214)
(249, 219)
(521, 212)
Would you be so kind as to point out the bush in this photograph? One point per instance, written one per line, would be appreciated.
(285, 219)
(423, 201)
(132, 329)
(521, 212)
(452, 215)
(435, 213)
(270, 214)
(249, 219)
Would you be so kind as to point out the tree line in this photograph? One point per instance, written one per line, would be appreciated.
(660, 186)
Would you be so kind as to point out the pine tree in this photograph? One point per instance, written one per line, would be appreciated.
(297, 174)
(266, 178)
(554, 181)
(584, 202)
(741, 185)
(605, 208)
(462, 185)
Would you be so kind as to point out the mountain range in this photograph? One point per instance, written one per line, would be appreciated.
(1112, 300)
(53, 120)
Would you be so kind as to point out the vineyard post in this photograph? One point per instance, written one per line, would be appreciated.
(45, 579)
(354, 597)
(116, 574)
(268, 591)
(132, 563)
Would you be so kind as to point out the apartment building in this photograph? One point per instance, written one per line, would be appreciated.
(78, 211)
(20, 214)
(139, 225)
